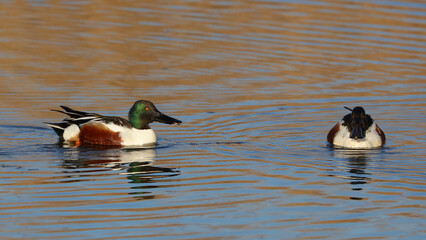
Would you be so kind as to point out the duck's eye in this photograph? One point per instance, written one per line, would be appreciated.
(146, 108)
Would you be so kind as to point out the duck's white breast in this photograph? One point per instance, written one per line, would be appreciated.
(133, 136)
(372, 138)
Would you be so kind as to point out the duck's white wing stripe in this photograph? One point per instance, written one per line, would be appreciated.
(54, 126)
(87, 118)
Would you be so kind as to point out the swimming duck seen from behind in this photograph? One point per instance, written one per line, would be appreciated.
(357, 130)
(95, 129)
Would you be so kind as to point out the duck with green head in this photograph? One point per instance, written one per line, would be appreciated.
(95, 129)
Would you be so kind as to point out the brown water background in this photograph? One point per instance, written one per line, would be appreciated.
(258, 84)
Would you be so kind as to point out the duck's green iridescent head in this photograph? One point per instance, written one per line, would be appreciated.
(144, 112)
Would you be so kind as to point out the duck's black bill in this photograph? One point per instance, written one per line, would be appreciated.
(163, 118)
(357, 133)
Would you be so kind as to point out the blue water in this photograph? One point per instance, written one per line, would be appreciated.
(257, 85)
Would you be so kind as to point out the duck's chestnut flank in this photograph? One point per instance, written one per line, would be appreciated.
(99, 134)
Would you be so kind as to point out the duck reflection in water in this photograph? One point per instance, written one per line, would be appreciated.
(136, 164)
(357, 164)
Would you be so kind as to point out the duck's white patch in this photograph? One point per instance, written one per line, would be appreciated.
(372, 138)
(133, 136)
(71, 131)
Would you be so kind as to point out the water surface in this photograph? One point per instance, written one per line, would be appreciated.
(257, 84)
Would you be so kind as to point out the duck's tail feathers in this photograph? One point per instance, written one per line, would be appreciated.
(75, 117)
(59, 128)
(71, 112)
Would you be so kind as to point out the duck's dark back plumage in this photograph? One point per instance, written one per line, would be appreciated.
(80, 117)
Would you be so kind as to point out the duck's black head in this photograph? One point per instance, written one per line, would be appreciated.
(357, 122)
(144, 112)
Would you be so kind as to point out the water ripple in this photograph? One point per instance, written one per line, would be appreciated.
(257, 85)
